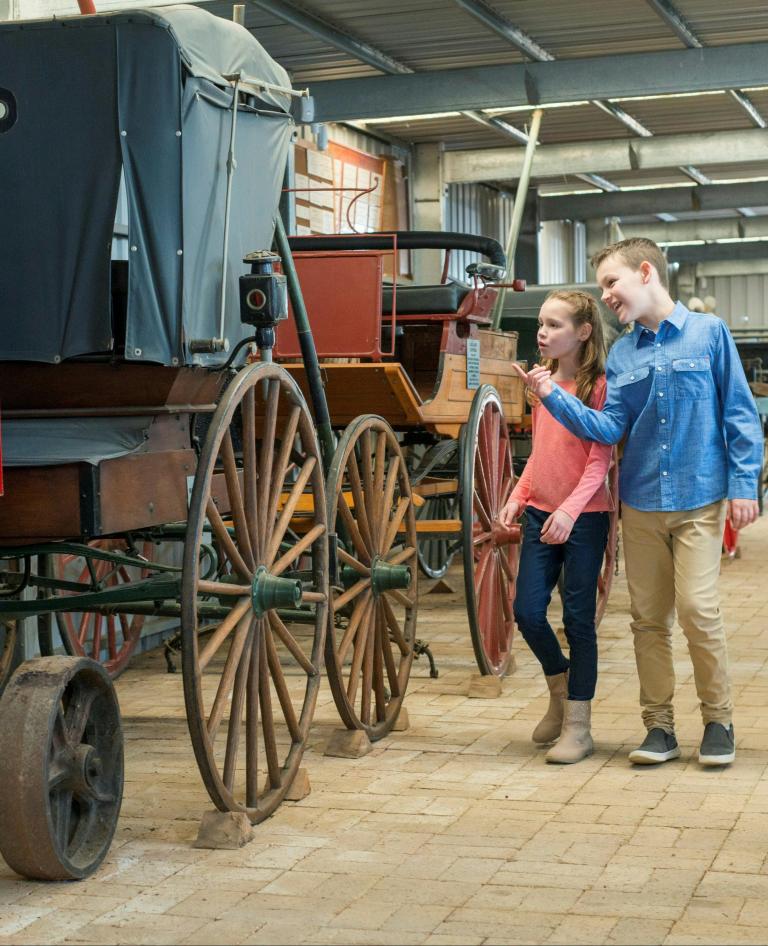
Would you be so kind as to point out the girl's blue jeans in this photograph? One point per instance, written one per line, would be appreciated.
(580, 559)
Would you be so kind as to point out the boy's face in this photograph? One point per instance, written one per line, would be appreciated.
(626, 291)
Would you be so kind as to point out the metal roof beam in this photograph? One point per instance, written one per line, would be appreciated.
(529, 47)
(536, 83)
(708, 252)
(617, 154)
(662, 200)
(733, 228)
(513, 34)
(672, 17)
(331, 35)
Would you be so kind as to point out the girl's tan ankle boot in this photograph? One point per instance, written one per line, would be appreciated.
(551, 723)
(575, 742)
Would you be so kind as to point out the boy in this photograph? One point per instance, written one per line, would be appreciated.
(677, 391)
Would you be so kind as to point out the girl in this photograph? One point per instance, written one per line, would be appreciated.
(563, 490)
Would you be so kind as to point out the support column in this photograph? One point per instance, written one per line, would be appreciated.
(428, 208)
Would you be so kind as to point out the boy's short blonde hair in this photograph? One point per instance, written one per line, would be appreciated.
(633, 252)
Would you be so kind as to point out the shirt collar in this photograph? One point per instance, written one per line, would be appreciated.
(676, 320)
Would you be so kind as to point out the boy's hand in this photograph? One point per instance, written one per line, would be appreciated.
(536, 380)
(509, 513)
(742, 512)
(557, 527)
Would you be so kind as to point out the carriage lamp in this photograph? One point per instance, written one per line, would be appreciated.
(263, 292)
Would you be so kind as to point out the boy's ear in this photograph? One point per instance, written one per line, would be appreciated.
(646, 271)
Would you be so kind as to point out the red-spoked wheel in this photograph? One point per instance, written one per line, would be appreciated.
(491, 552)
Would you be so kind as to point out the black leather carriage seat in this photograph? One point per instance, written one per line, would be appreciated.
(424, 300)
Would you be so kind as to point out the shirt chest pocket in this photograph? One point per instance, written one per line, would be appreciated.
(692, 377)
(634, 385)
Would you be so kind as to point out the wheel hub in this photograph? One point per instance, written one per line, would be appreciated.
(386, 577)
(503, 535)
(270, 591)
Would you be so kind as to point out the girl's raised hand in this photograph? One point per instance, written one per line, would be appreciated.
(557, 527)
(509, 513)
(536, 380)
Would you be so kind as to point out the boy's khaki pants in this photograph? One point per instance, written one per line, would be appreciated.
(673, 562)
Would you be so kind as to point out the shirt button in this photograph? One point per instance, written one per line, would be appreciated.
(631, 377)
(658, 344)
(663, 446)
(693, 364)
(661, 394)
(664, 473)
(659, 368)
(663, 420)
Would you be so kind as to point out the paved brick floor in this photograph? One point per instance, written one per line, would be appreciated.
(455, 831)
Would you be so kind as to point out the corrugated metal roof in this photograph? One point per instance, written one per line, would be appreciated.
(427, 35)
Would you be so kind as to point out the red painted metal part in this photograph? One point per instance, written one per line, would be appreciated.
(730, 540)
(86, 6)
(342, 291)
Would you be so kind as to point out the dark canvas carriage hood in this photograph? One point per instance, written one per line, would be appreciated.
(141, 92)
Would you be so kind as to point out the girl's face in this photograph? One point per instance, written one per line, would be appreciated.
(558, 335)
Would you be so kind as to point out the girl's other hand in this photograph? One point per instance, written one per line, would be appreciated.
(536, 380)
(557, 527)
(509, 513)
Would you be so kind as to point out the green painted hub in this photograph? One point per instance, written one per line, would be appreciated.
(350, 576)
(268, 592)
(386, 577)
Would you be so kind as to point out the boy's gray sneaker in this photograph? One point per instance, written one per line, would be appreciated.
(658, 746)
(718, 746)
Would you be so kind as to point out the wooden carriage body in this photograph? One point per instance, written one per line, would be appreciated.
(415, 355)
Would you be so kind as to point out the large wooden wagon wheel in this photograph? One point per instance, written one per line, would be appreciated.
(369, 648)
(109, 639)
(251, 679)
(491, 553)
(61, 778)
(610, 559)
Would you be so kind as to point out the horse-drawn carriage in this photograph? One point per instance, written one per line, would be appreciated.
(158, 463)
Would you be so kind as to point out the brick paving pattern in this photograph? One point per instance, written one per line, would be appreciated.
(455, 831)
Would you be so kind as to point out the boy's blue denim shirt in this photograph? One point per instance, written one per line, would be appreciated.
(693, 435)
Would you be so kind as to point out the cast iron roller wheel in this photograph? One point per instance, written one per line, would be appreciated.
(491, 553)
(251, 676)
(369, 647)
(61, 777)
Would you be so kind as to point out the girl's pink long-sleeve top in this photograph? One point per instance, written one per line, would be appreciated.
(563, 471)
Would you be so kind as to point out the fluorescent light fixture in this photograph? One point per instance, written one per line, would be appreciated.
(409, 118)
(530, 108)
(754, 239)
(668, 95)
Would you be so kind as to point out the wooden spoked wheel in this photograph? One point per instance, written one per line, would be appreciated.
(610, 559)
(9, 640)
(369, 649)
(61, 779)
(251, 677)
(109, 639)
(11, 583)
(491, 552)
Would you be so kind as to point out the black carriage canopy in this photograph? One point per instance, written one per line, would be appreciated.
(139, 96)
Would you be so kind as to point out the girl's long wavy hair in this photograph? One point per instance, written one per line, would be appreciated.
(584, 311)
